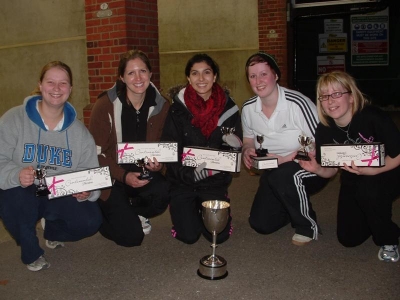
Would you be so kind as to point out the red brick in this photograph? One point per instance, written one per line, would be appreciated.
(93, 23)
(106, 28)
(94, 65)
(107, 72)
(105, 43)
(117, 34)
(118, 19)
(93, 37)
(118, 49)
(107, 57)
(93, 51)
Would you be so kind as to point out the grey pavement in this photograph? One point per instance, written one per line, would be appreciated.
(259, 266)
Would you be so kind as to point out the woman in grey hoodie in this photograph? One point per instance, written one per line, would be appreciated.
(45, 133)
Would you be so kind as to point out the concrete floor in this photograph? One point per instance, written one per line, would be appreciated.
(260, 267)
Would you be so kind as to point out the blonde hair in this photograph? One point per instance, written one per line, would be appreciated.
(347, 82)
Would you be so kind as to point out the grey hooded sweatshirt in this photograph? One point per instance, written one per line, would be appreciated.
(25, 141)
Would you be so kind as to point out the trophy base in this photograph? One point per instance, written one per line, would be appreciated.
(145, 177)
(302, 156)
(43, 192)
(212, 269)
(261, 152)
(226, 147)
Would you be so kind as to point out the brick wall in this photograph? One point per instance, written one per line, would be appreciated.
(272, 29)
(132, 25)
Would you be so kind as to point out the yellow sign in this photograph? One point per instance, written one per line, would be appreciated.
(333, 42)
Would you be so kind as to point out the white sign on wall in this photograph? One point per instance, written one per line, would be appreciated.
(326, 64)
(370, 39)
(333, 25)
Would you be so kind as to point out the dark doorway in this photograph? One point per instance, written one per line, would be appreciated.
(381, 83)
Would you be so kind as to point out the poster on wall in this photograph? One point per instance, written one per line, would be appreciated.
(332, 42)
(370, 39)
(333, 25)
(326, 64)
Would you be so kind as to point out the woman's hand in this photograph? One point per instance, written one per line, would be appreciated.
(153, 166)
(313, 166)
(132, 179)
(359, 170)
(81, 196)
(248, 153)
(310, 165)
(390, 164)
(27, 176)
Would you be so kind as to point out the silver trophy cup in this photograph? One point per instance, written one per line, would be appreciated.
(41, 188)
(145, 174)
(261, 151)
(215, 218)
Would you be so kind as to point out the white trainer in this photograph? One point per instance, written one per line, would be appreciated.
(300, 240)
(40, 264)
(145, 225)
(51, 244)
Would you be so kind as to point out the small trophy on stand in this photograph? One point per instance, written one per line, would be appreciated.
(215, 217)
(41, 188)
(260, 151)
(232, 141)
(145, 174)
(302, 153)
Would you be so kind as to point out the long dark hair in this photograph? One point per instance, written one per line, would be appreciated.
(202, 57)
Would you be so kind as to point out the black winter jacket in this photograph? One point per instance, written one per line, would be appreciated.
(178, 128)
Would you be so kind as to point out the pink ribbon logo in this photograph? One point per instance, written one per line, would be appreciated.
(123, 150)
(373, 157)
(187, 154)
(53, 185)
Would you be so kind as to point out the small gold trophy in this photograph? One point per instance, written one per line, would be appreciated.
(302, 153)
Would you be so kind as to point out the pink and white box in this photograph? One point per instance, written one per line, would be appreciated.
(129, 153)
(363, 155)
(215, 159)
(77, 182)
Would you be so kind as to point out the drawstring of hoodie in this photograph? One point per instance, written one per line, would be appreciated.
(38, 143)
(40, 130)
(66, 135)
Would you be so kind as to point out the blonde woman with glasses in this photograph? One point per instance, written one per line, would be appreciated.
(366, 193)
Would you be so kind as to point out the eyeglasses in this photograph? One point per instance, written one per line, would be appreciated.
(335, 95)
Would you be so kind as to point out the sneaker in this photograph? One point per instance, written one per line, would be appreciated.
(145, 225)
(300, 240)
(54, 244)
(389, 253)
(51, 244)
(40, 264)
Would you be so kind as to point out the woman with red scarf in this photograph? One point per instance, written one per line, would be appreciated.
(195, 118)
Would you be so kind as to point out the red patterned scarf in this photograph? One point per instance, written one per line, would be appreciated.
(205, 113)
